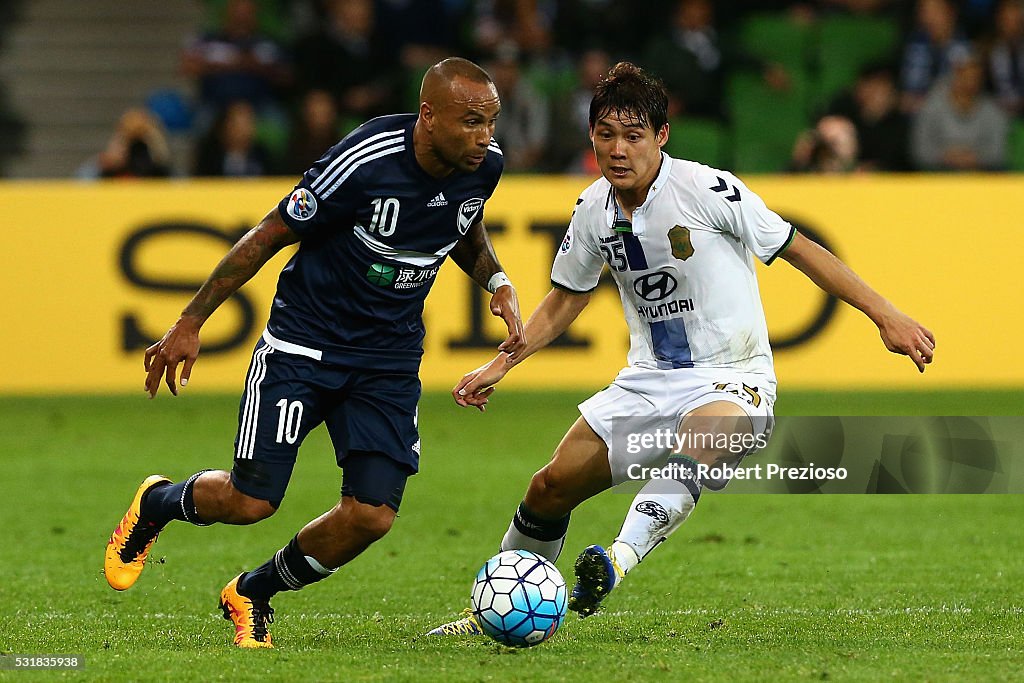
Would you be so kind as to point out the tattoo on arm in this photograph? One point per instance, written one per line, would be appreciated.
(243, 261)
(475, 255)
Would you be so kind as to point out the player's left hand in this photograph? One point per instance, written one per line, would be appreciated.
(902, 334)
(505, 305)
(475, 387)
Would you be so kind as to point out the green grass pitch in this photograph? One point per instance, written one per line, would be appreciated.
(752, 588)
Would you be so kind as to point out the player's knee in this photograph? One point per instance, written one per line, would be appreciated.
(370, 522)
(550, 493)
(249, 510)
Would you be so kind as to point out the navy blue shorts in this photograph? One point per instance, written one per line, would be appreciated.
(370, 415)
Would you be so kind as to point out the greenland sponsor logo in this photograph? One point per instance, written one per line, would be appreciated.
(380, 274)
(468, 212)
(411, 278)
(302, 205)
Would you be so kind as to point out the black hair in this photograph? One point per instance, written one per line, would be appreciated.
(630, 92)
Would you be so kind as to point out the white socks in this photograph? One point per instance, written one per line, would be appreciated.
(658, 509)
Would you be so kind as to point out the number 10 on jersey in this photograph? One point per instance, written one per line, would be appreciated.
(289, 421)
(385, 216)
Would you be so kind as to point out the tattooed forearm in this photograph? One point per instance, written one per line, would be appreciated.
(475, 255)
(244, 260)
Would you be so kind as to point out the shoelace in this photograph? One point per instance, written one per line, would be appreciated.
(468, 623)
(138, 539)
(262, 614)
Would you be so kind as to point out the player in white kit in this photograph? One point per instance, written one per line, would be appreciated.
(679, 238)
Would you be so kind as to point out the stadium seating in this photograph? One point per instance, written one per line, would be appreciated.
(273, 17)
(700, 140)
(766, 122)
(777, 38)
(845, 45)
(72, 68)
(1015, 161)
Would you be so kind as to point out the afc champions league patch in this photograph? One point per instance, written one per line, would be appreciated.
(468, 213)
(567, 242)
(302, 204)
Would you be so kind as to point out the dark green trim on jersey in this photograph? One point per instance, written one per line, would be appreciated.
(562, 287)
(622, 225)
(777, 254)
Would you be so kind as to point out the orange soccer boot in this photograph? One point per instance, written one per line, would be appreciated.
(129, 545)
(249, 616)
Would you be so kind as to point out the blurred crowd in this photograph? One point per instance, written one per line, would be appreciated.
(276, 82)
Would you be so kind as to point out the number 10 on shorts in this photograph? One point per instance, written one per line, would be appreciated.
(289, 420)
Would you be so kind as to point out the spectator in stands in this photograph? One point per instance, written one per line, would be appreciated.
(959, 128)
(236, 63)
(418, 32)
(830, 147)
(883, 131)
(231, 149)
(858, 7)
(694, 66)
(977, 17)
(346, 57)
(614, 25)
(523, 127)
(137, 149)
(525, 24)
(313, 134)
(933, 46)
(1006, 58)
(570, 150)
(689, 60)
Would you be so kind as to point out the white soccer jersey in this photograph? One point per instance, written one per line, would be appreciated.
(684, 269)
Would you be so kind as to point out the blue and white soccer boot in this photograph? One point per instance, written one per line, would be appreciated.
(597, 573)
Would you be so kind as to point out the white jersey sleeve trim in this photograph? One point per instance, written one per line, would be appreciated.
(785, 245)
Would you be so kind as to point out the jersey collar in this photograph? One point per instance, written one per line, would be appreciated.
(618, 221)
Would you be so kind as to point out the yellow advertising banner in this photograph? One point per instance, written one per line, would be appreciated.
(93, 273)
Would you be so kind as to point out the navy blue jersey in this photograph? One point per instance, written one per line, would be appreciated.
(375, 228)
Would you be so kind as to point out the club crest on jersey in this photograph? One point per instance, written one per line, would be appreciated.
(468, 213)
(302, 204)
(567, 242)
(679, 238)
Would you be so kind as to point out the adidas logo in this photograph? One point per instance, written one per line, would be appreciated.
(439, 200)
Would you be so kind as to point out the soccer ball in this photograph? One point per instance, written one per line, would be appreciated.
(519, 598)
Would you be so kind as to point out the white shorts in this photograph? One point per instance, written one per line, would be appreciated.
(645, 401)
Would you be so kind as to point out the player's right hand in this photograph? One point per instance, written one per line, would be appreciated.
(180, 344)
(902, 334)
(476, 386)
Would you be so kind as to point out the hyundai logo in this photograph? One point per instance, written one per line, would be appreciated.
(655, 286)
